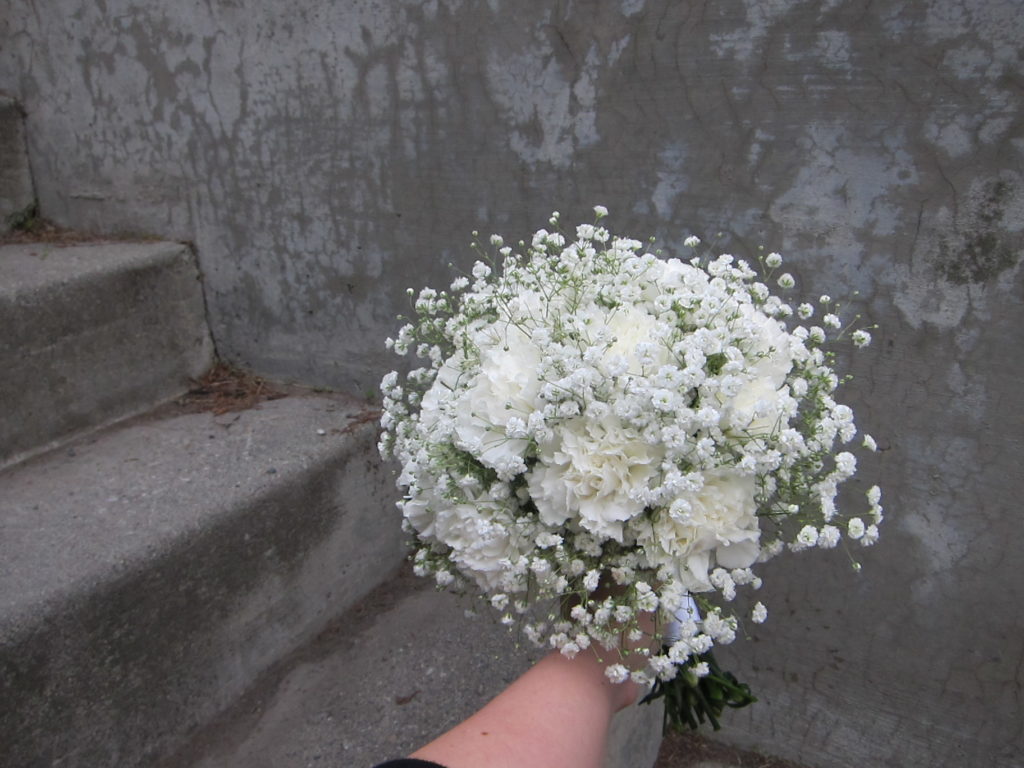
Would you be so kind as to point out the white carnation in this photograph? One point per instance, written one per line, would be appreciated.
(590, 471)
(720, 527)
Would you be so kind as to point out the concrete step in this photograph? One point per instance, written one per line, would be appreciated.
(401, 668)
(151, 571)
(94, 333)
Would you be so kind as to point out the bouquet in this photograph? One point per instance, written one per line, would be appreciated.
(601, 440)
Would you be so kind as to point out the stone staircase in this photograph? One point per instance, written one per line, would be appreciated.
(185, 588)
(153, 567)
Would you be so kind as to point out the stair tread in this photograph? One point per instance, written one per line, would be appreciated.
(33, 266)
(103, 505)
(150, 572)
(92, 334)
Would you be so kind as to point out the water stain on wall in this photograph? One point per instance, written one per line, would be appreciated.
(985, 246)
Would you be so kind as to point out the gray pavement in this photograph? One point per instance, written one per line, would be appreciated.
(404, 667)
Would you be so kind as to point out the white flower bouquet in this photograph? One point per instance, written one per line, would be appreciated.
(599, 436)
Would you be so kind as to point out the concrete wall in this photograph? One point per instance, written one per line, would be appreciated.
(16, 193)
(323, 156)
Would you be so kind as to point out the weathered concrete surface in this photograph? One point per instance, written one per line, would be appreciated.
(404, 667)
(16, 192)
(635, 737)
(324, 156)
(320, 155)
(150, 573)
(94, 333)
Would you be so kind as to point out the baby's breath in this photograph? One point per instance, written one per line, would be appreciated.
(612, 431)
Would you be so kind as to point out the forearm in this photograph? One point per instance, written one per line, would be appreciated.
(556, 715)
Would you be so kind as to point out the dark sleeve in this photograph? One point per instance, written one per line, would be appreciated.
(409, 762)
